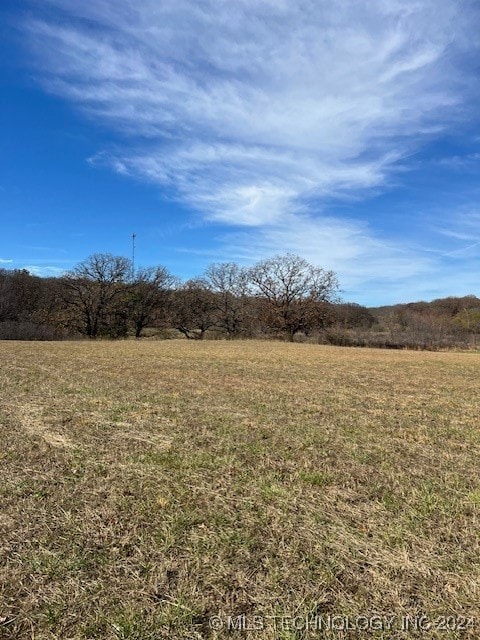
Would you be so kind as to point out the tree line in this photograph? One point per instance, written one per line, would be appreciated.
(104, 296)
(281, 297)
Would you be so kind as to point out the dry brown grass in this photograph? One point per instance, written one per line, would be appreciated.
(149, 486)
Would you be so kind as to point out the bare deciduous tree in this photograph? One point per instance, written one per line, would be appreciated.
(149, 296)
(95, 290)
(291, 290)
(230, 284)
(194, 309)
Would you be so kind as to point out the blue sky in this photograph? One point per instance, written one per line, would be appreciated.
(347, 131)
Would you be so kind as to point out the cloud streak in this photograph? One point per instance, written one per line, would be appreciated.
(258, 113)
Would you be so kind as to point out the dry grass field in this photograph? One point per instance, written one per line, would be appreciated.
(249, 490)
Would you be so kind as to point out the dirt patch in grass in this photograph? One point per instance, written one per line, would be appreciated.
(176, 489)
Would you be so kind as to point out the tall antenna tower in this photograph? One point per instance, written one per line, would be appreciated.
(134, 237)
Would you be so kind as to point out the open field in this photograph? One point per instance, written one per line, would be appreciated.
(147, 487)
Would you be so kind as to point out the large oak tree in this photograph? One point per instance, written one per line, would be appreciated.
(290, 292)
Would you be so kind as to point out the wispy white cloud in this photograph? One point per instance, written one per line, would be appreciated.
(461, 229)
(461, 162)
(44, 271)
(35, 269)
(256, 113)
(248, 185)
